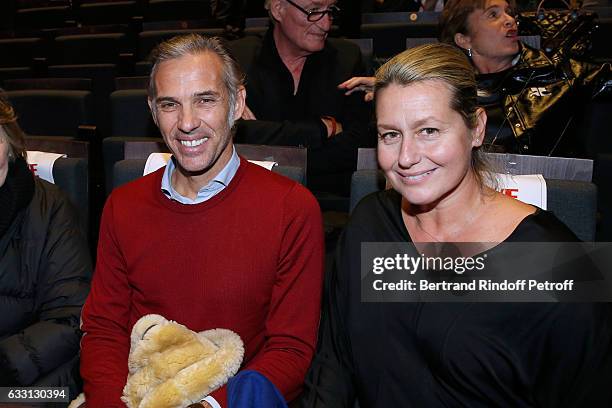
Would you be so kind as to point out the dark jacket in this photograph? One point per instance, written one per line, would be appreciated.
(45, 269)
(289, 119)
(543, 103)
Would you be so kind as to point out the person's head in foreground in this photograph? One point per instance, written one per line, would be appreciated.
(196, 94)
(485, 30)
(430, 132)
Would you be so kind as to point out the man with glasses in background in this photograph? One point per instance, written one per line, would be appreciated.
(292, 91)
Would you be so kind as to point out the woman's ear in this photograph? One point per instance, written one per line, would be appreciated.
(463, 41)
(478, 133)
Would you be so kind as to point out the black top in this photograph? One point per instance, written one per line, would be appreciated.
(454, 354)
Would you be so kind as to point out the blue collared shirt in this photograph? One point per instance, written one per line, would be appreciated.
(207, 192)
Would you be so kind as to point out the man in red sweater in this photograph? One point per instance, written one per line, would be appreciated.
(210, 241)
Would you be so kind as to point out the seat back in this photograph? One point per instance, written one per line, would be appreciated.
(131, 82)
(63, 145)
(76, 84)
(163, 10)
(19, 52)
(366, 158)
(390, 38)
(71, 175)
(89, 48)
(416, 41)
(52, 112)
(115, 12)
(366, 45)
(251, 22)
(125, 171)
(113, 150)
(102, 78)
(43, 17)
(574, 203)
(130, 114)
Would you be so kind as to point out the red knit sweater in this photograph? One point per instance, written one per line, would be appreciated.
(250, 259)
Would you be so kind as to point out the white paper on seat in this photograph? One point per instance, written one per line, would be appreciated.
(530, 189)
(156, 161)
(267, 164)
(41, 164)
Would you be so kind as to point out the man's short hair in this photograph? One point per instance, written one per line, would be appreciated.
(193, 44)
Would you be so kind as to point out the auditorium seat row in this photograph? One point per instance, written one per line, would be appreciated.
(574, 202)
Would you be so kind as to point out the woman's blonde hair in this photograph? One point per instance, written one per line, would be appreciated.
(442, 63)
(14, 136)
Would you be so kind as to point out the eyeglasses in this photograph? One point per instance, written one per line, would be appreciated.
(316, 15)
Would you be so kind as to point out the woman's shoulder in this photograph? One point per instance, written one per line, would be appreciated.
(516, 221)
(379, 214)
(50, 204)
(48, 194)
(542, 226)
(529, 55)
(376, 204)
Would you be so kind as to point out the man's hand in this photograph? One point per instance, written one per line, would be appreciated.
(365, 84)
(333, 126)
(248, 114)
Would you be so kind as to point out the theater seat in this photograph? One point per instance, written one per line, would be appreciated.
(52, 112)
(130, 115)
(159, 10)
(89, 48)
(71, 176)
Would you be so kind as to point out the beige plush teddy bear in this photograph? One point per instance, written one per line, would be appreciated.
(172, 366)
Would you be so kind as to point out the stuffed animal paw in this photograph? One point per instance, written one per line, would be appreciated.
(172, 366)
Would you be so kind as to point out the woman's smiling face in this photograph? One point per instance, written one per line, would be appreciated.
(424, 146)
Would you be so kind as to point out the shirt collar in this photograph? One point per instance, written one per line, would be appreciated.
(215, 186)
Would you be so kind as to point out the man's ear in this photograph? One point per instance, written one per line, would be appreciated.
(478, 133)
(277, 9)
(239, 103)
(463, 41)
(152, 109)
